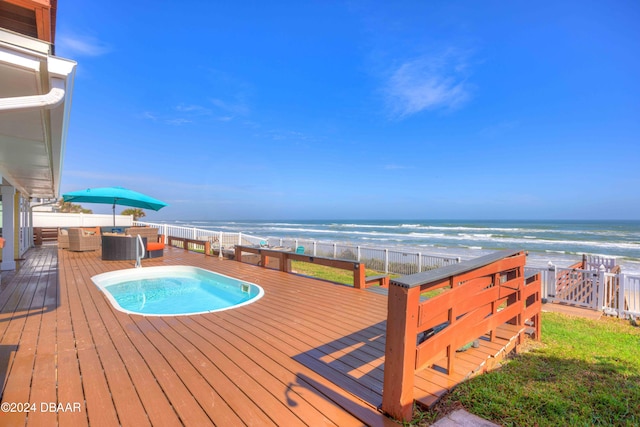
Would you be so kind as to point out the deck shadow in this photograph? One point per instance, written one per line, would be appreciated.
(33, 289)
(354, 362)
(5, 357)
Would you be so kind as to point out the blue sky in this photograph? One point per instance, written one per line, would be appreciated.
(358, 109)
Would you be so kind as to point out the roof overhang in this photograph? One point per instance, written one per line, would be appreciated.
(35, 103)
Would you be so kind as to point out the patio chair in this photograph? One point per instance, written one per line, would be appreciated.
(154, 248)
(82, 240)
(63, 238)
(300, 250)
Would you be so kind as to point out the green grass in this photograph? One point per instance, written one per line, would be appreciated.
(331, 274)
(583, 373)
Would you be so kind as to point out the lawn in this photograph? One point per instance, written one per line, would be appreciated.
(331, 274)
(583, 373)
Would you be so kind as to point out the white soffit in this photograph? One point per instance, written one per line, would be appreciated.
(35, 103)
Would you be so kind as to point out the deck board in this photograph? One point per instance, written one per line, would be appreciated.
(308, 353)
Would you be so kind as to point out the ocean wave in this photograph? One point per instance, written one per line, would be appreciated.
(547, 241)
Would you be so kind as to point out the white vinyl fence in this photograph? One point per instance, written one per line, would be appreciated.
(219, 239)
(381, 259)
(59, 219)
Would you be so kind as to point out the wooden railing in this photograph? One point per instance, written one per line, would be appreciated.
(485, 293)
(44, 234)
(193, 245)
(285, 258)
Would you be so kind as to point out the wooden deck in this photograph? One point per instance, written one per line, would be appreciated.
(308, 353)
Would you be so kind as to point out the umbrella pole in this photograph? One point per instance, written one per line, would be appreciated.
(114, 214)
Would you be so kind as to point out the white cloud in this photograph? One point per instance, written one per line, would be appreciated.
(149, 115)
(81, 46)
(427, 83)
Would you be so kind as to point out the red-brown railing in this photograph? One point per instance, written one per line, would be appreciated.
(484, 294)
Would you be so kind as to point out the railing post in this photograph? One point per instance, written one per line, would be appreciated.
(550, 290)
(419, 262)
(314, 248)
(597, 293)
(335, 250)
(622, 286)
(386, 261)
(358, 253)
(220, 246)
(240, 238)
(400, 351)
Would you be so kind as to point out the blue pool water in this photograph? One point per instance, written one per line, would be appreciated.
(174, 290)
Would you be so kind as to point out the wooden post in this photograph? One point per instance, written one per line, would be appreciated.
(359, 271)
(285, 263)
(238, 256)
(37, 233)
(207, 248)
(400, 351)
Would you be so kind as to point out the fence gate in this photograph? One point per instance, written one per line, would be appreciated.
(575, 286)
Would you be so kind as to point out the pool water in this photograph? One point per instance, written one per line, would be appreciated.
(175, 290)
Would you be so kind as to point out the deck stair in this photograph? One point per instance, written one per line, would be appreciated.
(486, 302)
(433, 383)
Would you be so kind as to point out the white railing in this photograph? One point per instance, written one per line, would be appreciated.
(620, 294)
(219, 239)
(380, 259)
(597, 288)
(593, 262)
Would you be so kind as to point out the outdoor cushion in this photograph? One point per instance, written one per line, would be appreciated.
(153, 246)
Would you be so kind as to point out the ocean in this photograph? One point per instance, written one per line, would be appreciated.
(561, 242)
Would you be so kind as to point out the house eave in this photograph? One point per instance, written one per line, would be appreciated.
(35, 103)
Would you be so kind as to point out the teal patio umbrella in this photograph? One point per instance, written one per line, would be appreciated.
(114, 196)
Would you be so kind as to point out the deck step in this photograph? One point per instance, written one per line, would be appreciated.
(432, 383)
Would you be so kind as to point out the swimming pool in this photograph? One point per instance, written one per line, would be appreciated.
(174, 290)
